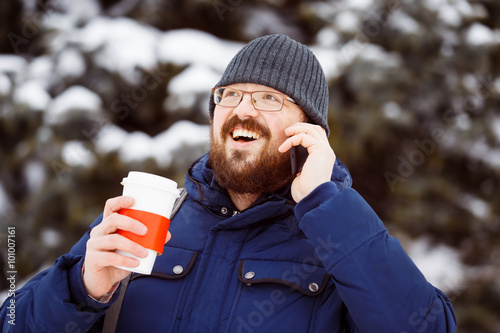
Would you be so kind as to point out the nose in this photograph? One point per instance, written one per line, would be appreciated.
(246, 109)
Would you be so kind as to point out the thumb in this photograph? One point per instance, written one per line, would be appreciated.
(169, 235)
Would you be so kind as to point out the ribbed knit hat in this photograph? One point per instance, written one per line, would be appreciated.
(279, 62)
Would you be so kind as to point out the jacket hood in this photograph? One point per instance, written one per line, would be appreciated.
(201, 185)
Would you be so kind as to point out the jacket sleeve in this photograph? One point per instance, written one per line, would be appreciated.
(382, 288)
(55, 300)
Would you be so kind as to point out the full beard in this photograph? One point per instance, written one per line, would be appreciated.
(268, 172)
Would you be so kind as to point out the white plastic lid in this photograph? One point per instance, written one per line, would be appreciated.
(150, 180)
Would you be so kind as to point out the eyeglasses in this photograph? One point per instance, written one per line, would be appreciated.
(261, 100)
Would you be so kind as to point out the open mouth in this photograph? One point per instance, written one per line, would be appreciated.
(244, 135)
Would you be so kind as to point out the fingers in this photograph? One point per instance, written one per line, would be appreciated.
(303, 134)
(113, 205)
(296, 140)
(310, 129)
(115, 259)
(104, 239)
(113, 242)
(117, 221)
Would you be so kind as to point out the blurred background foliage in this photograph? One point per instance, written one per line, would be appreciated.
(91, 90)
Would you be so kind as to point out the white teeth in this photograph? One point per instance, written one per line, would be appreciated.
(245, 133)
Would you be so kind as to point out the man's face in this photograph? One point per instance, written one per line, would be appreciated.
(244, 153)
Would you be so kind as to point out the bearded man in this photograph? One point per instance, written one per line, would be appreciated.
(253, 248)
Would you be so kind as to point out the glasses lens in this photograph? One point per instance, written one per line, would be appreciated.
(267, 101)
(227, 97)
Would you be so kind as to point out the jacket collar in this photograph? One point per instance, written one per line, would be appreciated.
(201, 185)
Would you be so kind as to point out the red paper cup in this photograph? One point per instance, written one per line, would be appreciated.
(154, 198)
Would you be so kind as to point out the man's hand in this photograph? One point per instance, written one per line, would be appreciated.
(319, 164)
(100, 258)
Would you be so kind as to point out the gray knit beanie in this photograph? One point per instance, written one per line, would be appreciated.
(279, 62)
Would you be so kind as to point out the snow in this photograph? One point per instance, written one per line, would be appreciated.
(34, 175)
(495, 127)
(138, 146)
(464, 8)
(110, 139)
(125, 46)
(358, 4)
(51, 238)
(347, 21)
(262, 21)
(41, 69)
(62, 32)
(182, 133)
(69, 15)
(327, 37)
(478, 149)
(479, 11)
(182, 89)
(440, 264)
(76, 153)
(32, 94)
(22, 150)
(450, 15)
(463, 122)
(436, 5)
(480, 35)
(6, 206)
(481, 151)
(63, 22)
(470, 82)
(5, 85)
(29, 6)
(44, 135)
(323, 10)
(353, 48)
(391, 110)
(81, 10)
(476, 206)
(496, 84)
(12, 64)
(330, 60)
(404, 23)
(494, 159)
(70, 63)
(452, 12)
(194, 79)
(74, 98)
(376, 54)
(186, 46)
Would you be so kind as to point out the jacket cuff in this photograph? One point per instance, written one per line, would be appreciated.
(107, 296)
(79, 295)
(60, 297)
(314, 199)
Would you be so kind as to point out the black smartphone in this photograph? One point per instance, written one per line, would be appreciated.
(298, 156)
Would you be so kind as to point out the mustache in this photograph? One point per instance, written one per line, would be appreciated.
(249, 124)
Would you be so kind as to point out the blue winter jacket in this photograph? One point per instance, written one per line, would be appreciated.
(326, 264)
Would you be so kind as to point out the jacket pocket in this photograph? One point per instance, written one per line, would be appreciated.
(153, 303)
(308, 279)
(277, 296)
(175, 263)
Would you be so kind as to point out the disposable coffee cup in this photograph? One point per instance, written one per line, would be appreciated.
(154, 198)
